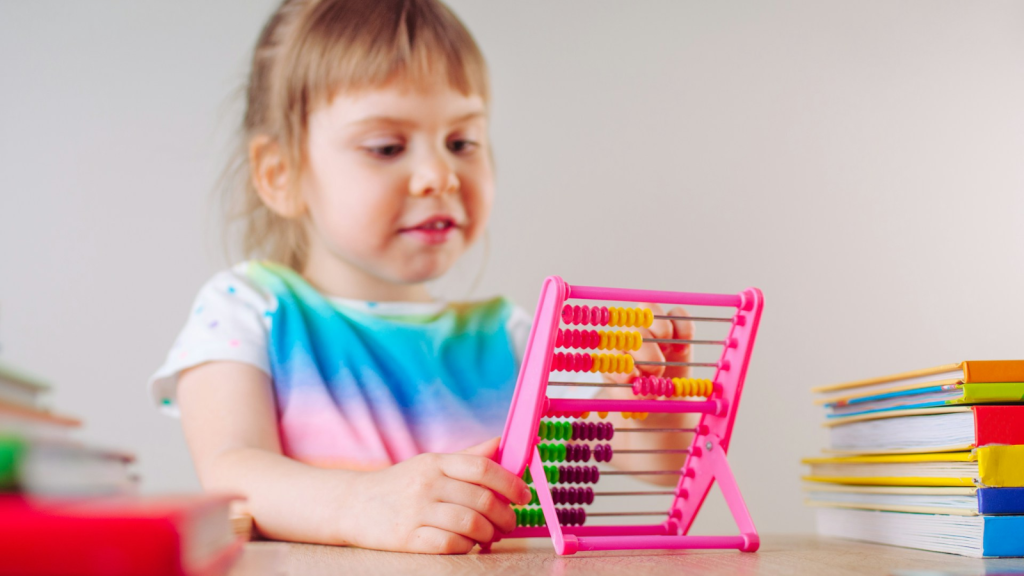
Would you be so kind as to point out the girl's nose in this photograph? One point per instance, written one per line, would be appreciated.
(433, 176)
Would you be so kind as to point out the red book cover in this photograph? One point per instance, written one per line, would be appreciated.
(147, 536)
(998, 425)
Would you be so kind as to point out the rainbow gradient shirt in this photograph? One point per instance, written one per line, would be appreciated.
(358, 385)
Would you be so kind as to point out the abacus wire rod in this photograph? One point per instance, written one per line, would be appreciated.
(638, 493)
(694, 430)
(697, 364)
(594, 384)
(660, 451)
(684, 341)
(595, 514)
(640, 472)
(694, 318)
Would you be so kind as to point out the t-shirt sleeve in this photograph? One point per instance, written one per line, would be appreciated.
(519, 325)
(230, 320)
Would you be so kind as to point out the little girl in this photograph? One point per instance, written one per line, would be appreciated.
(324, 383)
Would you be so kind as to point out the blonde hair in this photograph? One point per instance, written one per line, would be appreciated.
(311, 50)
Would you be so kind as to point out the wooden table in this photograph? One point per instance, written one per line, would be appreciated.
(786, 555)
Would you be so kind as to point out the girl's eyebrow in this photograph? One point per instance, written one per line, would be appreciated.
(379, 119)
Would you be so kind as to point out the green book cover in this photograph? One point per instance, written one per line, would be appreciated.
(12, 449)
(987, 393)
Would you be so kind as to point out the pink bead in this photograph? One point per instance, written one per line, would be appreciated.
(605, 315)
(567, 314)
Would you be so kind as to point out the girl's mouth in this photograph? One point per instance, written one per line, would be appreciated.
(432, 231)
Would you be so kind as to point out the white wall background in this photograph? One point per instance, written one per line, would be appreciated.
(861, 162)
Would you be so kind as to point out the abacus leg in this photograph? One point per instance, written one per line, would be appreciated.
(564, 543)
(727, 484)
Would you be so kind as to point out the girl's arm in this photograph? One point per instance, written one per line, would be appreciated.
(675, 329)
(433, 503)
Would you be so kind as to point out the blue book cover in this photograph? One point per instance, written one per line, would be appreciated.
(1003, 536)
(1001, 501)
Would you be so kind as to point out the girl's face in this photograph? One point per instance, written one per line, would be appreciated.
(398, 183)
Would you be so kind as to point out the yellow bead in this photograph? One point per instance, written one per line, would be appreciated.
(678, 384)
(613, 316)
(626, 415)
(640, 415)
(585, 415)
(602, 415)
(631, 317)
(595, 365)
(604, 340)
(648, 318)
(629, 364)
(638, 341)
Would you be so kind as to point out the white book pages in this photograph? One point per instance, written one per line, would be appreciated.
(897, 469)
(924, 433)
(936, 532)
(955, 374)
(950, 501)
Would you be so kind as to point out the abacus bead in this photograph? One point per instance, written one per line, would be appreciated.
(648, 317)
(609, 430)
(567, 314)
(558, 338)
(577, 314)
(604, 316)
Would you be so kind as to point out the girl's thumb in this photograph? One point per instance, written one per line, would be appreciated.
(488, 449)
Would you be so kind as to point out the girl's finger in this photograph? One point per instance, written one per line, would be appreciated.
(648, 352)
(659, 328)
(487, 473)
(459, 520)
(431, 540)
(481, 500)
(681, 330)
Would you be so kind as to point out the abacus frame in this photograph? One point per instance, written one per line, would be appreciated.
(706, 461)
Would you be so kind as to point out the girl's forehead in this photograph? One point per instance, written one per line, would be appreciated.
(403, 102)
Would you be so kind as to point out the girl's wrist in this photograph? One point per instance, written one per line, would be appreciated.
(339, 519)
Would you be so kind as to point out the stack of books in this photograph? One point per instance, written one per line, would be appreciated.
(70, 508)
(931, 459)
(38, 454)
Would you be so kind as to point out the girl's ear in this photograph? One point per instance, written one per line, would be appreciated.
(272, 179)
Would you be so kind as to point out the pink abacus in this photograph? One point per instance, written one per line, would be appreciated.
(525, 445)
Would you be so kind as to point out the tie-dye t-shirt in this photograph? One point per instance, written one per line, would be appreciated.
(359, 385)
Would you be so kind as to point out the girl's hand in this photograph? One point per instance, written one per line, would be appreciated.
(436, 503)
(648, 352)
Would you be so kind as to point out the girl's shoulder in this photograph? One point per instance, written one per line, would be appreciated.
(228, 321)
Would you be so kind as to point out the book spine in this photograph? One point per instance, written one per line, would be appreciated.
(1002, 536)
(998, 425)
(12, 451)
(1001, 466)
(1001, 500)
(993, 371)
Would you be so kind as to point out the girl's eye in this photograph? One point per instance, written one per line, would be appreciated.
(385, 150)
(462, 145)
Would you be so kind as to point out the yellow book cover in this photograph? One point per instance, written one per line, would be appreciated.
(968, 371)
(994, 466)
